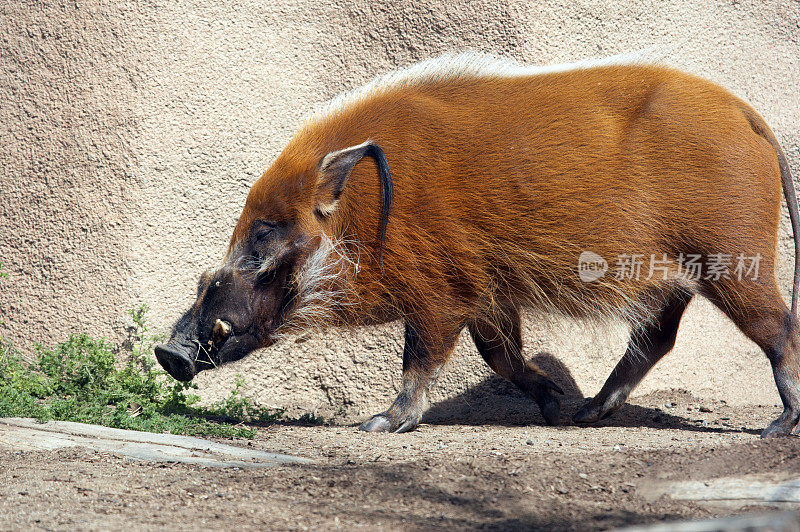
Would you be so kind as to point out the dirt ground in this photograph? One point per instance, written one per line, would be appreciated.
(489, 473)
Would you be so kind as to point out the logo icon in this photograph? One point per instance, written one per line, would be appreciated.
(591, 266)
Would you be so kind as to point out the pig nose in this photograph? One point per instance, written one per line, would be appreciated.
(175, 361)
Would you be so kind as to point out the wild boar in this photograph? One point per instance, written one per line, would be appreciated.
(461, 190)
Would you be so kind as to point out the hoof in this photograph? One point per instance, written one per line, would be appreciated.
(587, 414)
(785, 425)
(594, 410)
(543, 391)
(550, 407)
(378, 423)
(384, 423)
(777, 430)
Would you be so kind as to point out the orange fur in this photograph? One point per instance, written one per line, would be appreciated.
(500, 183)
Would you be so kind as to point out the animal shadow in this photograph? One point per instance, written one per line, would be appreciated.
(495, 401)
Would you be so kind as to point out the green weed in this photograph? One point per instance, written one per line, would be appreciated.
(82, 379)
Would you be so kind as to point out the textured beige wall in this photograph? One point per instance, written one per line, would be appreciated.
(130, 136)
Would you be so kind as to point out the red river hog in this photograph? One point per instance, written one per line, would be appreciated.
(464, 189)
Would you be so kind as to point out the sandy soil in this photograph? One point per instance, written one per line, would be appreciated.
(492, 473)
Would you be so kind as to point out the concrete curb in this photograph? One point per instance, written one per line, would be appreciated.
(29, 434)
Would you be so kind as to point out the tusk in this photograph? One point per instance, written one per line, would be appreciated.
(222, 330)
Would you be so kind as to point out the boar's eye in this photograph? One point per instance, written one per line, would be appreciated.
(262, 235)
(262, 230)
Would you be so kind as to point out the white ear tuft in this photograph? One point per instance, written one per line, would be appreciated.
(334, 169)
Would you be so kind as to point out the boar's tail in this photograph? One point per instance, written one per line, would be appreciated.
(374, 151)
(760, 127)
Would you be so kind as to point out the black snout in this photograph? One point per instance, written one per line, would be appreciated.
(176, 361)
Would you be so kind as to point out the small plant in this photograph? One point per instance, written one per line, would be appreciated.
(81, 380)
(236, 407)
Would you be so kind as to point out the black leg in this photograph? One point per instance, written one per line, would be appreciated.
(499, 341)
(648, 344)
(759, 311)
(424, 355)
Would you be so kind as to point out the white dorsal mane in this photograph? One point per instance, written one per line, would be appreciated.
(471, 65)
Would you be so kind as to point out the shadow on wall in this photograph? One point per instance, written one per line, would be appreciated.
(495, 401)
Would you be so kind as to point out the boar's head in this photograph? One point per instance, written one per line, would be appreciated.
(279, 247)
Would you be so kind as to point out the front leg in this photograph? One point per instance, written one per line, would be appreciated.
(424, 354)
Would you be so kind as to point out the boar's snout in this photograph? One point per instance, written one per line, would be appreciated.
(176, 361)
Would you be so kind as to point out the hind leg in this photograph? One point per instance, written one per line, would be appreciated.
(760, 313)
(648, 344)
(499, 341)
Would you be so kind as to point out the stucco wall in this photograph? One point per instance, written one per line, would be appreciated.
(130, 135)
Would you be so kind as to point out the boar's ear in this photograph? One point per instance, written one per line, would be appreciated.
(333, 171)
